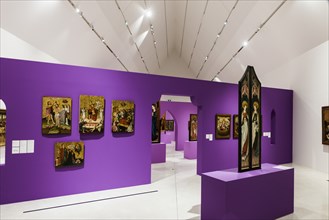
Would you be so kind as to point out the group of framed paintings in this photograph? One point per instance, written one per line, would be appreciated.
(57, 115)
(57, 119)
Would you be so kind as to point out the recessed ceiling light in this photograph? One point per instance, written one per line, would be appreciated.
(126, 23)
(225, 23)
(245, 43)
(148, 13)
(217, 35)
(77, 10)
(155, 42)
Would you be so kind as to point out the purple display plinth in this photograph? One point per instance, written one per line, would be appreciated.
(159, 153)
(267, 193)
(190, 149)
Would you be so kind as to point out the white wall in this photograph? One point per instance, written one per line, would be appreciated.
(175, 66)
(307, 76)
(14, 47)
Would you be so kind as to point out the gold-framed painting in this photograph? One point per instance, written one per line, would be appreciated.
(69, 154)
(325, 125)
(223, 126)
(123, 116)
(92, 114)
(235, 126)
(56, 115)
(193, 128)
(3, 122)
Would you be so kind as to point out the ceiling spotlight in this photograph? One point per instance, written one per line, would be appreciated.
(103, 40)
(155, 42)
(206, 58)
(217, 35)
(216, 79)
(225, 23)
(245, 43)
(126, 22)
(148, 13)
(77, 10)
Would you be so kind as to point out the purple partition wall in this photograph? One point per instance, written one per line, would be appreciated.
(113, 161)
(181, 113)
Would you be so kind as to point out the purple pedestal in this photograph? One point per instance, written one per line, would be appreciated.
(267, 193)
(190, 149)
(159, 153)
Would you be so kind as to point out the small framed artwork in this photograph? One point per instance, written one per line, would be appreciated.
(69, 154)
(156, 133)
(325, 125)
(2, 127)
(91, 114)
(193, 128)
(223, 126)
(235, 126)
(170, 125)
(56, 115)
(123, 116)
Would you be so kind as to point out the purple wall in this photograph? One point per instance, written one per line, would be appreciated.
(113, 161)
(180, 111)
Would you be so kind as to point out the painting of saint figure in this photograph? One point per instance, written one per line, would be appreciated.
(250, 121)
(92, 115)
(193, 127)
(69, 154)
(56, 115)
(223, 126)
(156, 123)
(3, 120)
(123, 116)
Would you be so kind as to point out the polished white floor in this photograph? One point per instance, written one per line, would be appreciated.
(177, 197)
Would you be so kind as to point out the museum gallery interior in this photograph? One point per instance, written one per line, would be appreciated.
(162, 109)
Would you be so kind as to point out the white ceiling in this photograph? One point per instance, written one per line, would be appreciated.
(180, 28)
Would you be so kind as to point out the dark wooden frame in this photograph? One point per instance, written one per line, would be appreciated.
(192, 116)
(157, 137)
(325, 125)
(170, 127)
(217, 133)
(235, 127)
(247, 99)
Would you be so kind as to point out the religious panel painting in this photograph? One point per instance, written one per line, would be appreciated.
(156, 122)
(123, 116)
(56, 115)
(69, 154)
(91, 114)
(170, 125)
(235, 126)
(255, 121)
(3, 121)
(249, 121)
(163, 122)
(223, 126)
(325, 125)
(193, 127)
